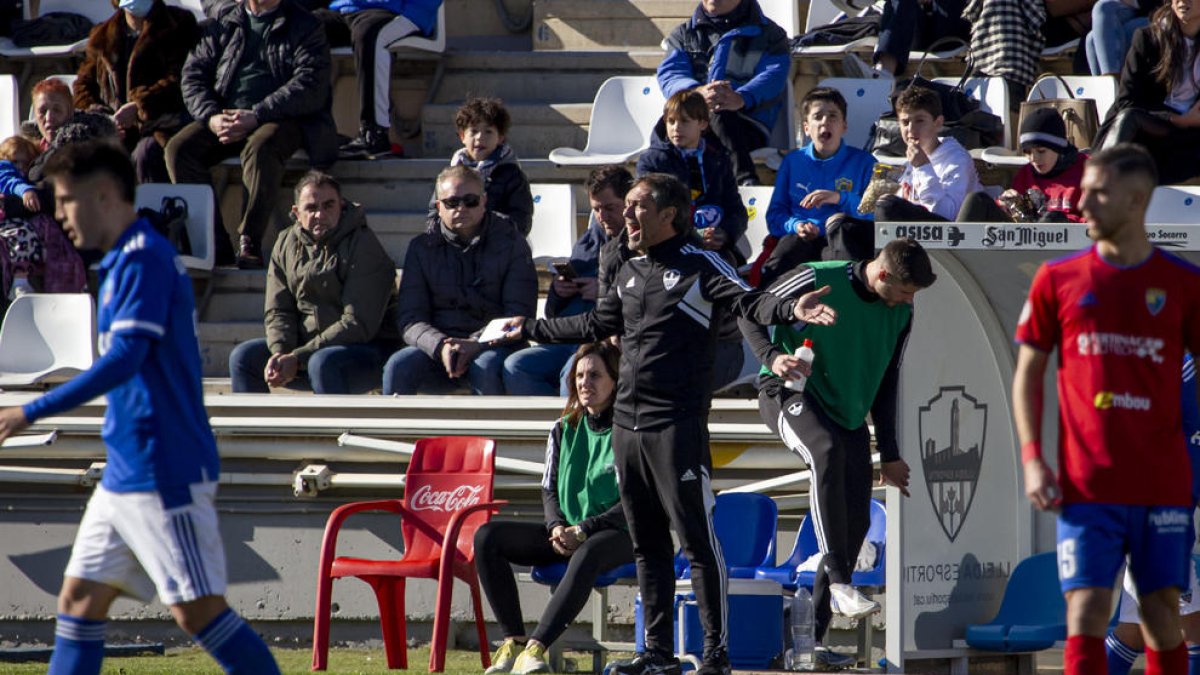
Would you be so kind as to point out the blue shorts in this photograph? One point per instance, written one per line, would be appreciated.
(1093, 540)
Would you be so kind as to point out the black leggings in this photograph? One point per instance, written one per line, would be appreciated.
(840, 492)
(500, 544)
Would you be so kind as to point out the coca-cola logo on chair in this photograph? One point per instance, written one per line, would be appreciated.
(425, 498)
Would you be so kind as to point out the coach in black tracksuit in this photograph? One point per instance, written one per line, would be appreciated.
(665, 303)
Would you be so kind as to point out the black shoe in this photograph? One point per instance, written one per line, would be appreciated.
(372, 140)
(715, 663)
(646, 663)
(249, 257)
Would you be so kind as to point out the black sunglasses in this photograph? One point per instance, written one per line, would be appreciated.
(470, 201)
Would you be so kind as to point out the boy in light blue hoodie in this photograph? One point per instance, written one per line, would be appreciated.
(825, 178)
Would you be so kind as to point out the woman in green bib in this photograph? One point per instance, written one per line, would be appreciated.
(584, 524)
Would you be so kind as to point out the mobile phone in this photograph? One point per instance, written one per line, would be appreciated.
(564, 269)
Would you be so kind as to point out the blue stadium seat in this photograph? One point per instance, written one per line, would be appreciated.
(1033, 614)
(745, 523)
(806, 547)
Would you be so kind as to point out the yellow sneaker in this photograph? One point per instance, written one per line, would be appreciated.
(505, 657)
(532, 660)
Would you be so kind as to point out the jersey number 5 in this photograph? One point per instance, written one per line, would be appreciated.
(1066, 559)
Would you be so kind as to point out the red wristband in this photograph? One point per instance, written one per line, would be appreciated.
(1031, 450)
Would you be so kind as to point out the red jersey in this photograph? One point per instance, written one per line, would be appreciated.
(1121, 334)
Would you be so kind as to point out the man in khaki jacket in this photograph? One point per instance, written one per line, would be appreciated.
(330, 285)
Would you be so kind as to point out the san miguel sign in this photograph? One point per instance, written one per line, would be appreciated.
(1023, 237)
(952, 428)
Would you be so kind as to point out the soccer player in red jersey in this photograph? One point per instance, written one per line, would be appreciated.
(1121, 315)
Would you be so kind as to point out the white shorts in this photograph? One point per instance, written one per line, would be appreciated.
(129, 541)
(1189, 601)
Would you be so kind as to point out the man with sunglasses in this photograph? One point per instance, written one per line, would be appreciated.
(473, 267)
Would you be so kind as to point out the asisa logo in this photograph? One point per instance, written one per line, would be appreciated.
(1107, 400)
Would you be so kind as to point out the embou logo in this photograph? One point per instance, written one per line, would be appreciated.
(426, 499)
(952, 428)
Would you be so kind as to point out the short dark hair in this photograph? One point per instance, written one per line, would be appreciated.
(1127, 160)
(907, 260)
(611, 176)
(486, 110)
(823, 94)
(913, 99)
(81, 161)
(667, 191)
(459, 171)
(610, 356)
(315, 178)
(688, 104)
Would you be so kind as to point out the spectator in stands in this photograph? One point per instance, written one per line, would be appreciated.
(131, 71)
(474, 266)
(16, 157)
(20, 242)
(52, 108)
(815, 183)
(939, 173)
(1113, 25)
(544, 370)
(330, 310)
(739, 59)
(482, 124)
(584, 522)
(258, 86)
(1055, 170)
(1007, 42)
(907, 25)
(370, 26)
(1158, 102)
(682, 147)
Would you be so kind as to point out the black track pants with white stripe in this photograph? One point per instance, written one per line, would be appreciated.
(663, 474)
(840, 496)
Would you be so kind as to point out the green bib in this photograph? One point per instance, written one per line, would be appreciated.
(587, 479)
(851, 356)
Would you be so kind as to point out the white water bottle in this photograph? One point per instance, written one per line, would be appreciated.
(800, 628)
(805, 354)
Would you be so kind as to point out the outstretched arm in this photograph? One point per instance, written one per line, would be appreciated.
(1027, 393)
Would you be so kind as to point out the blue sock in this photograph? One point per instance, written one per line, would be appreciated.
(1120, 655)
(1193, 659)
(235, 645)
(78, 646)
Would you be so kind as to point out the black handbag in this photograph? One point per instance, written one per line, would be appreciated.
(964, 119)
(171, 222)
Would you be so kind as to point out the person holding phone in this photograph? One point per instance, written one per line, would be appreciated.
(473, 267)
(542, 370)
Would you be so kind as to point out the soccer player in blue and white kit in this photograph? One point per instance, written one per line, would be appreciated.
(151, 524)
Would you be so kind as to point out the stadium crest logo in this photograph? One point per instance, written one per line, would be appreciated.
(952, 428)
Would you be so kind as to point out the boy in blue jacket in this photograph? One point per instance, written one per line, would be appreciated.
(681, 147)
(815, 183)
(16, 155)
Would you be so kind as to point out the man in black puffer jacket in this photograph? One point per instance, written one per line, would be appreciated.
(471, 267)
(258, 86)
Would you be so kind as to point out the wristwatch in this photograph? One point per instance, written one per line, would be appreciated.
(580, 535)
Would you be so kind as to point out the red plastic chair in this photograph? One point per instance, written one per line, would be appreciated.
(447, 496)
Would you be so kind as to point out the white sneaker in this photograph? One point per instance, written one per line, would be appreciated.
(850, 603)
(532, 660)
(505, 658)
